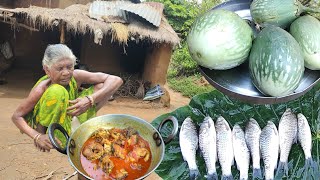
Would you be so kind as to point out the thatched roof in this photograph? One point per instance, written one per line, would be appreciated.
(76, 19)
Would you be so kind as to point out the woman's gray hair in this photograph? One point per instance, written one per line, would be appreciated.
(56, 52)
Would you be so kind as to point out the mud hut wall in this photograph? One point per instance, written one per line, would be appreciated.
(112, 57)
(28, 47)
(6, 4)
(156, 64)
(66, 3)
(48, 3)
(41, 3)
(99, 57)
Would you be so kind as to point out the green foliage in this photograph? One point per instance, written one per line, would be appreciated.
(208, 4)
(189, 86)
(181, 63)
(180, 14)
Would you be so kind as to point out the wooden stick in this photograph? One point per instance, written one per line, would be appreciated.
(20, 25)
(13, 144)
(50, 175)
(27, 27)
(6, 9)
(62, 33)
(70, 176)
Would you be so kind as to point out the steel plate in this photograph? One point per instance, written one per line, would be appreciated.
(236, 82)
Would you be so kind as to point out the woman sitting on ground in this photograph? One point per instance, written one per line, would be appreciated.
(55, 97)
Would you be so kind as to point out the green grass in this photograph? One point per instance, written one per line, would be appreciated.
(189, 86)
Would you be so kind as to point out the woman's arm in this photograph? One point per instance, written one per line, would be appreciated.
(105, 86)
(24, 108)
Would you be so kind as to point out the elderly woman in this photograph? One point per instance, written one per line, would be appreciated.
(56, 96)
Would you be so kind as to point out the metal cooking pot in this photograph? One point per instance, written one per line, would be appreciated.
(83, 132)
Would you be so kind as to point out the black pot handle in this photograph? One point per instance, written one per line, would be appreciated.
(174, 130)
(52, 127)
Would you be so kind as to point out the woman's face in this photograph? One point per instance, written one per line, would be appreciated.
(61, 72)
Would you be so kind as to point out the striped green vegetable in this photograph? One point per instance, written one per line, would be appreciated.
(220, 39)
(305, 30)
(276, 63)
(277, 12)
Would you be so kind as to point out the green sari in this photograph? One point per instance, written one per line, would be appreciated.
(53, 104)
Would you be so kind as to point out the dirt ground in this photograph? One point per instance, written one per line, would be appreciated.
(21, 160)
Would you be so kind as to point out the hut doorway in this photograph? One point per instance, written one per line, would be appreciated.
(27, 46)
(114, 58)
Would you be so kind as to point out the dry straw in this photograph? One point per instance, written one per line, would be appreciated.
(77, 20)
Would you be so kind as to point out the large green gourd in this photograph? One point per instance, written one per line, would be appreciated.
(306, 30)
(220, 39)
(276, 63)
(277, 12)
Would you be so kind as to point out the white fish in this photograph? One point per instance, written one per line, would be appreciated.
(252, 135)
(240, 151)
(207, 144)
(224, 147)
(288, 128)
(305, 138)
(269, 148)
(188, 139)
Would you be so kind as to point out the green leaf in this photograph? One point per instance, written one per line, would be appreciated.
(215, 104)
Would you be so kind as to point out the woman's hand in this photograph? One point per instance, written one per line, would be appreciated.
(43, 143)
(80, 105)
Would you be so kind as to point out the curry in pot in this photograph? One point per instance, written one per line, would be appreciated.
(116, 154)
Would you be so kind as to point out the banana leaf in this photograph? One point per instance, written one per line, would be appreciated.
(215, 104)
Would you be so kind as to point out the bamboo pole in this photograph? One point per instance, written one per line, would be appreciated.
(20, 25)
(62, 33)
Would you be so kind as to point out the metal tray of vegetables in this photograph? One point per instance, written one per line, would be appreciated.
(237, 82)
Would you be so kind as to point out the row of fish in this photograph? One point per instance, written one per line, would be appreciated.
(217, 142)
